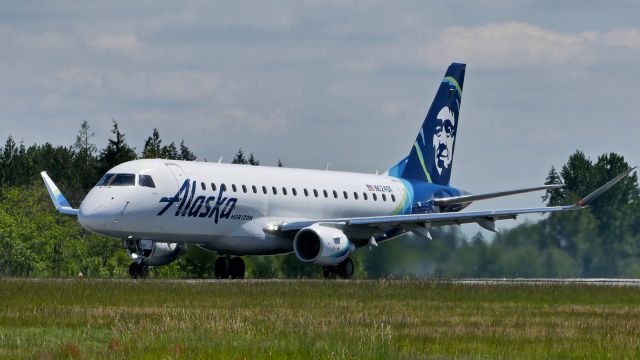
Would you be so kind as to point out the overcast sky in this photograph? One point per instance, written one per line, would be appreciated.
(344, 83)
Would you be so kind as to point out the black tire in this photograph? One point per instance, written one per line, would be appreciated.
(236, 268)
(221, 270)
(143, 271)
(346, 268)
(133, 270)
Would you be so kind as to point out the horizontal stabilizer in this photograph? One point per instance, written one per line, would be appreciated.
(474, 197)
(59, 201)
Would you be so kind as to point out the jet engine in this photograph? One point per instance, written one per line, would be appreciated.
(322, 245)
(153, 253)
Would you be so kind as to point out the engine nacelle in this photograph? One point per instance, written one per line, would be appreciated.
(153, 253)
(322, 245)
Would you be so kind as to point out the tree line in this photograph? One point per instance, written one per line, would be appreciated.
(602, 240)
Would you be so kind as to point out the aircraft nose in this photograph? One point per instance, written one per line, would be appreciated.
(96, 211)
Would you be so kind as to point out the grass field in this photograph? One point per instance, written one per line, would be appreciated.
(90, 319)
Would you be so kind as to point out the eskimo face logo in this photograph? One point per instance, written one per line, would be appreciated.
(444, 136)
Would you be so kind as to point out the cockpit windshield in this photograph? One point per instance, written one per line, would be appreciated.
(146, 180)
(117, 180)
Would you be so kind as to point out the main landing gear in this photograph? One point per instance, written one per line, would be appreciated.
(138, 270)
(344, 270)
(229, 267)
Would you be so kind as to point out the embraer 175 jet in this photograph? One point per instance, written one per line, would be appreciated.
(159, 207)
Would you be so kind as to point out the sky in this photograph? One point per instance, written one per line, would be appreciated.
(330, 82)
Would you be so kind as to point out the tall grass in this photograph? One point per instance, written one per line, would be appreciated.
(88, 319)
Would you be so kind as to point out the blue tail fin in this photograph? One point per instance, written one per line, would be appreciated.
(431, 156)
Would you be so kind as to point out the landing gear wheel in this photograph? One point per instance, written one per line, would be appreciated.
(133, 270)
(138, 270)
(221, 268)
(346, 268)
(236, 268)
(329, 272)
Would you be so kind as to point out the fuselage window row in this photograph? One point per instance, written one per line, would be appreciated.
(149, 182)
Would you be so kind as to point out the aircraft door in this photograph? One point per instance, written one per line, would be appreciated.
(177, 172)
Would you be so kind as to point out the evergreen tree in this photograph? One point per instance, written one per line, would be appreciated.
(85, 159)
(153, 146)
(280, 164)
(252, 160)
(553, 197)
(185, 153)
(116, 152)
(239, 158)
(170, 152)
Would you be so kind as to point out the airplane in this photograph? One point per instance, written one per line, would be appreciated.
(158, 207)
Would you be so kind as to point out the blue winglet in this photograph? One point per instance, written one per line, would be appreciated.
(59, 201)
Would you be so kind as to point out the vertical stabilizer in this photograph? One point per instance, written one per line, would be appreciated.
(431, 156)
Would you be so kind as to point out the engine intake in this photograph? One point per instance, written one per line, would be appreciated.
(153, 253)
(322, 245)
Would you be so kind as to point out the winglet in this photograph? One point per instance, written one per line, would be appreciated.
(59, 201)
(589, 199)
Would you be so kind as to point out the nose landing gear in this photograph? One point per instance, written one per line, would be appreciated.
(228, 267)
(138, 270)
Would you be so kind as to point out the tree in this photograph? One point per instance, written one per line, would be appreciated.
(85, 158)
(252, 160)
(280, 164)
(239, 158)
(185, 153)
(116, 152)
(153, 146)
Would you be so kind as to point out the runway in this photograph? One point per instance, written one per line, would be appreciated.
(467, 281)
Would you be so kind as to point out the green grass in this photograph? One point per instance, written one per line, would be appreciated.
(89, 319)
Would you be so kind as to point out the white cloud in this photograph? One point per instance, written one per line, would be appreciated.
(629, 37)
(510, 44)
(119, 43)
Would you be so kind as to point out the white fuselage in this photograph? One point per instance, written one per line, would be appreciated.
(233, 220)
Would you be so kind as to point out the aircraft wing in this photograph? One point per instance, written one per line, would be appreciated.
(474, 197)
(485, 218)
(59, 201)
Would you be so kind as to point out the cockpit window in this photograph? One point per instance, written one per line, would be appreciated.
(104, 181)
(123, 180)
(120, 180)
(146, 180)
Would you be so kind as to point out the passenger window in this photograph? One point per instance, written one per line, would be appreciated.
(203, 186)
(355, 195)
(344, 193)
(255, 190)
(284, 190)
(315, 192)
(364, 196)
(244, 189)
(335, 194)
(275, 191)
(393, 198)
(326, 194)
(123, 180)
(104, 181)
(213, 186)
(223, 187)
(146, 180)
(375, 198)
(233, 186)
(264, 190)
(384, 197)
(293, 190)
(306, 192)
